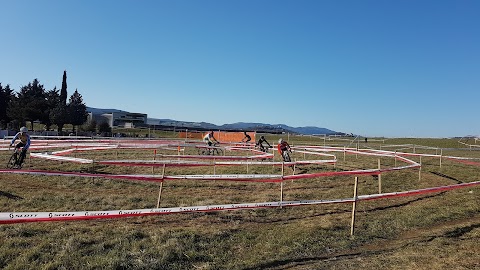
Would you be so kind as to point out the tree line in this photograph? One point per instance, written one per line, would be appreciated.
(49, 107)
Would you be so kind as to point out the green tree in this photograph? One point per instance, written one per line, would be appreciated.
(59, 114)
(63, 91)
(30, 104)
(76, 110)
(90, 125)
(104, 127)
(6, 97)
(52, 99)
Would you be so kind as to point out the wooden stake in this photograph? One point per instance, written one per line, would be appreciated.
(281, 193)
(159, 194)
(379, 179)
(294, 167)
(420, 170)
(441, 154)
(154, 157)
(356, 153)
(354, 206)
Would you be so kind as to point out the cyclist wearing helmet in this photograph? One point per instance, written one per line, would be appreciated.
(24, 142)
(209, 139)
(283, 146)
(260, 142)
(247, 137)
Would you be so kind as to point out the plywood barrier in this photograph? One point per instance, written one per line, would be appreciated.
(221, 136)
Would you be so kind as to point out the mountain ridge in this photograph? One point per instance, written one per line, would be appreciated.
(238, 126)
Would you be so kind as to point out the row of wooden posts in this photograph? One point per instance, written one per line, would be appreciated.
(355, 196)
(355, 190)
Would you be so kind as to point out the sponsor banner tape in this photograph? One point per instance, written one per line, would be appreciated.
(22, 217)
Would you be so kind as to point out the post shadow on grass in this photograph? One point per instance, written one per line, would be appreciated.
(305, 261)
(10, 195)
(379, 208)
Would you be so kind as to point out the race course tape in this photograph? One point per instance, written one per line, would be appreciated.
(23, 217)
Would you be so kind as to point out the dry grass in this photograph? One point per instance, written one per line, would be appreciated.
(433, 231)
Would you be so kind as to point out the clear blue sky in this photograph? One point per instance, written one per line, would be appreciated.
(373, 68)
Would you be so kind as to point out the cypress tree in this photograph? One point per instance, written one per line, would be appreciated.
(63, 91)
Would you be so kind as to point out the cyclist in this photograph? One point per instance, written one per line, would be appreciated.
(24, 142)
(209, 139)
(283, 146)
(260, 145)
(247, 137)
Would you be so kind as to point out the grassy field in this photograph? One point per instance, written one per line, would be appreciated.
(432, 231)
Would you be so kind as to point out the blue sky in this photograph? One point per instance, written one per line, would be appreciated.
(373, 68)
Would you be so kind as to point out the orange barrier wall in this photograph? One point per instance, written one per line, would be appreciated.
(221, 136)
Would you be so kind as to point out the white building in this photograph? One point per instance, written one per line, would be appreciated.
(117, 118)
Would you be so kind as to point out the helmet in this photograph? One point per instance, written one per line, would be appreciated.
(262, 137)
(23, 129)
(280, 140)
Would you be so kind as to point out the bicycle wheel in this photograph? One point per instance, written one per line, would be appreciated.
(217, 152)
(12, 161)
(20, 161)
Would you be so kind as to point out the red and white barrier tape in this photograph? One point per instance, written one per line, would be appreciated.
(22, 217)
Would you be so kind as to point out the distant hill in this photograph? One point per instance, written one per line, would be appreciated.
(101, 111)
(259, 127)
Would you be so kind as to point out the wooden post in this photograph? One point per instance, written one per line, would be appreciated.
(159, 194)
(281, 184)
(214, 167)
(441, 154)
(395, 157)
(154, 158)
(356, 153)
(379, 179)
(420, 170)
(294, 167)
(247, 166)
(354, 206)
(281, 193)
(344, 153)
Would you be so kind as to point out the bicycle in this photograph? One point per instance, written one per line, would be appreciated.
(213, 150)
(263, 148)
(14, 161)
(286, 156)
